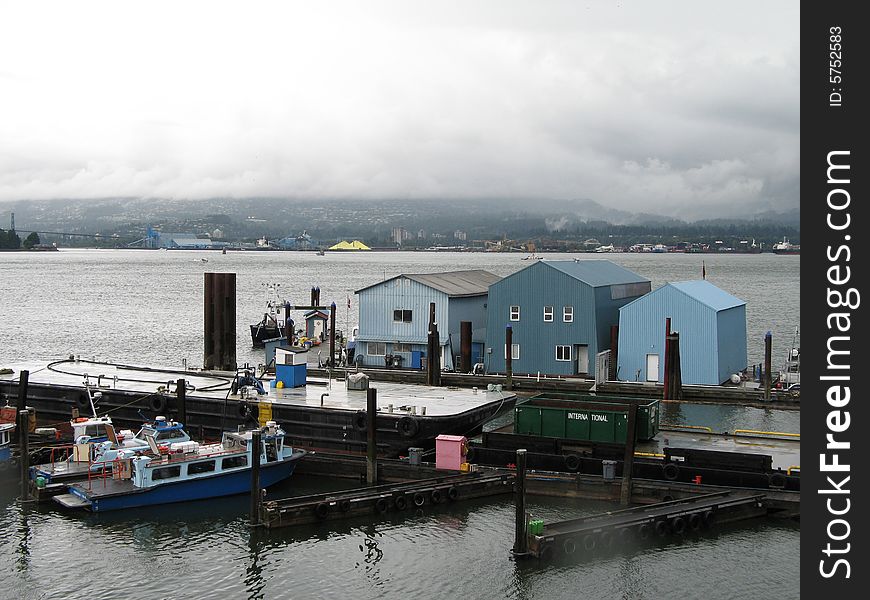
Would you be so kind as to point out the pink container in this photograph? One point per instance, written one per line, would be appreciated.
(450, 451)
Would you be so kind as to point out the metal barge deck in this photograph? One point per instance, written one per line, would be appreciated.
(321, 414)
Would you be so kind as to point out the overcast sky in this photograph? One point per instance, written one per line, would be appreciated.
(680, 108)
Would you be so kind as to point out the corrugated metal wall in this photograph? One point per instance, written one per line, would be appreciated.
(732, 341)
(708, 344)
(533, 288)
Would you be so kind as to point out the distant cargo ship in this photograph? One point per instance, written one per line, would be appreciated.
(786, 247)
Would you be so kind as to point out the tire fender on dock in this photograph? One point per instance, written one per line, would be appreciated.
(572, 462)
(360, 421)
(419, 499)
(400, 501)
(321, 511)
(381, 505)
(157, 403)
(670, 471)
(408, 426)
(678, 525)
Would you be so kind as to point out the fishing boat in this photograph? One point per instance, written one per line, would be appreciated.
(186, 471)
(272, 324)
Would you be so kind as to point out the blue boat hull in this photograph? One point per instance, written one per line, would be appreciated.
(225, 484)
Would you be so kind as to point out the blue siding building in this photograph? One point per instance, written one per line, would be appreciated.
(712, 326)
(394, 316)
(560, 313)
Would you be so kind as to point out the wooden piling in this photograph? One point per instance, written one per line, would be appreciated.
(220, 321)
(24, 453)
(465, 346)
(430, 347)
(508, 357)
(256, 497)
(23, 382)
(436, 356)
(628, 459)
(768, 343)
(667, 373)
(371, 436)
(521, 540)
(181, 399)
(614, 352)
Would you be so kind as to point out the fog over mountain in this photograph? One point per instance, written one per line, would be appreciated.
(674, 109)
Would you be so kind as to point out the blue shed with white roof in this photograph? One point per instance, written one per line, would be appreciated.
(712, 327)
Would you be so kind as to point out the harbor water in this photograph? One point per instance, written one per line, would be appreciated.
(146, 307)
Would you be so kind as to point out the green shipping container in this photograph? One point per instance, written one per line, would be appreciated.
(585, 417)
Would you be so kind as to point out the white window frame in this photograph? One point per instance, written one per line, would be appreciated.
(515, 351)
(565, 350)
(515, 314)
(567, 314)
(370, 345)
(548, 314)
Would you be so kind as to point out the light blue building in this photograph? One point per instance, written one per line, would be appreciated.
(712, 327)
(560, 314)
(394, 316)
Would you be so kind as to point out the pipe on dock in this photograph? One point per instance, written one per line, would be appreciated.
(23, 382)
(371, 436)
(628, 460)
(768, 343)
(508, 357)
(465, 346)
(220, 321)
(24, 453)
(181, 399)
(256, 497)
(521, 540)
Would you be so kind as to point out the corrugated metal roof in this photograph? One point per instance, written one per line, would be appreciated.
(705, 292)
(453, 283)
(596, 273)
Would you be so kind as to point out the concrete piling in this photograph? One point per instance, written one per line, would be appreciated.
(220, 321)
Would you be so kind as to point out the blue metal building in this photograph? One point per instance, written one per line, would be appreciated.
(712, 326)
(394, 316)
(560, 314)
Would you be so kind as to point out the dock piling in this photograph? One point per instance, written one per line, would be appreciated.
(24, 453)
(508, 357)
(181, 398)
(256, 496)
(219, 314)
(521, 540)
(23, 382)
(331, 362)
(628, 459)
(768, 343)
(465, 345)
(371, 436)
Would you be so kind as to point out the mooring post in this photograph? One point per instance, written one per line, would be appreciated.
(628, 459)
(521, 539)
(256, 497)
(768, 339)
(181, 398)
(219, 315)
(23, 382)
(465, 333)
(371, 436)
(508, 357)
(436, 356)
(332, 335)
(24, 453)
(430, 347)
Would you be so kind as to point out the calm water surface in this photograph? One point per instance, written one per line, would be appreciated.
(146, 307)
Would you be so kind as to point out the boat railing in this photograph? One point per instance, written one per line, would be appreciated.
(177, 457)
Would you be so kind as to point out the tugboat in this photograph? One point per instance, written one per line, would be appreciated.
(272, 324)
(186, 471)
(786, 247)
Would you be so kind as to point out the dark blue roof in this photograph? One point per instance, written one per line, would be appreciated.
(596, 273)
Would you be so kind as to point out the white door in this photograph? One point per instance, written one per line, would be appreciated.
(581, 351)
(652, 367)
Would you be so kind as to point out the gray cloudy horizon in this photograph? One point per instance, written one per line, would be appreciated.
(679, 108)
